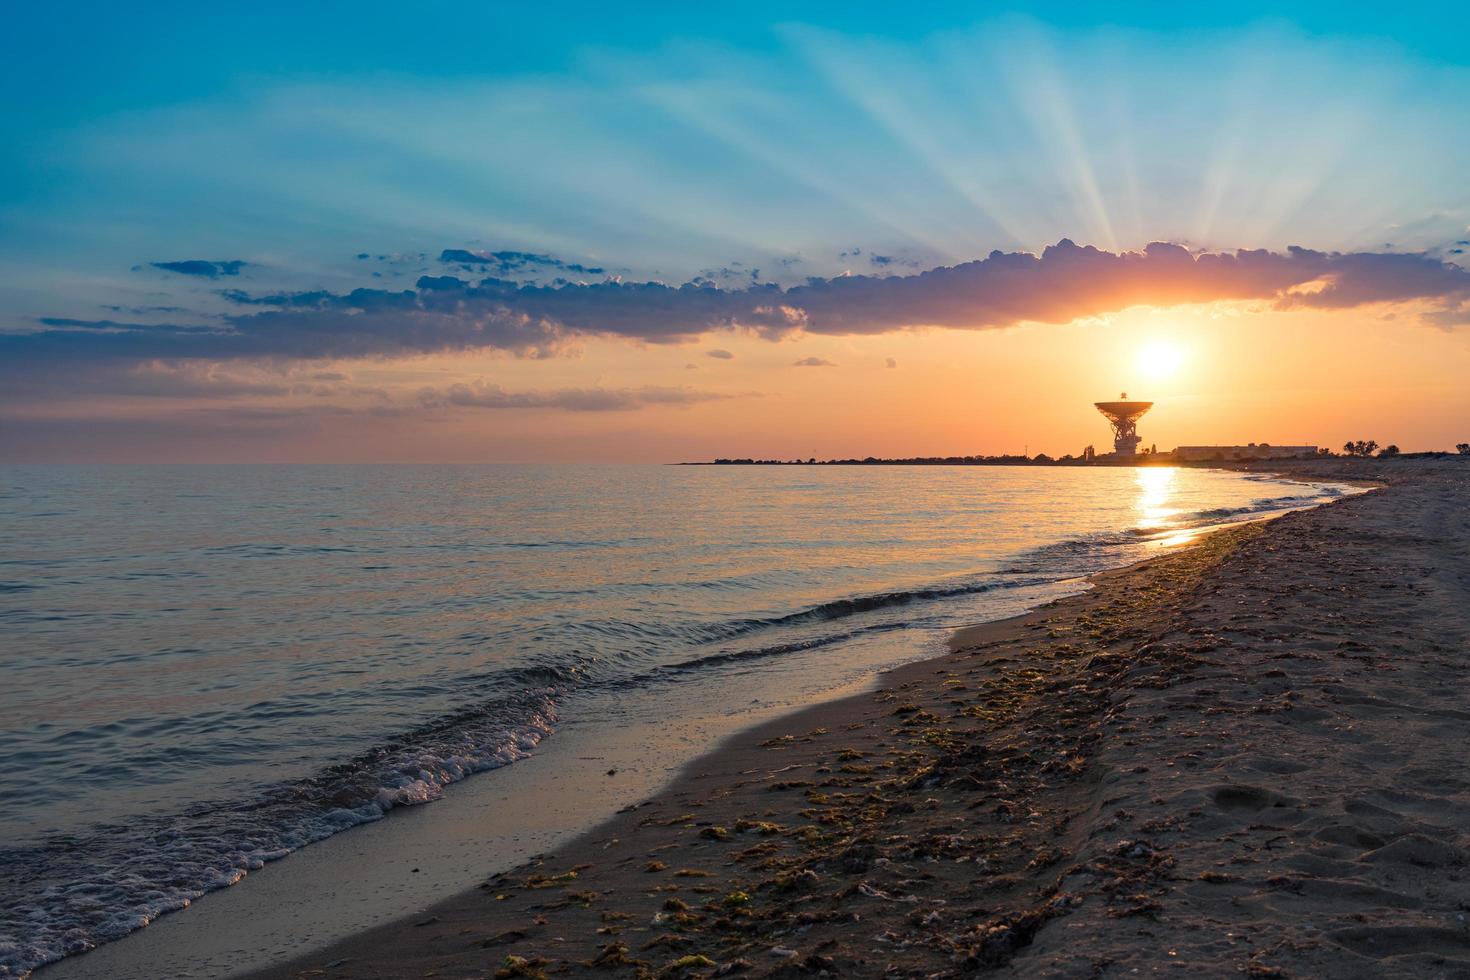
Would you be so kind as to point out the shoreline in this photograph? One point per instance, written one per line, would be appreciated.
(758, 855)
(669, 778)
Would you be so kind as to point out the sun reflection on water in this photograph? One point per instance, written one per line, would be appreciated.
(1156, 492)
(1155, 489)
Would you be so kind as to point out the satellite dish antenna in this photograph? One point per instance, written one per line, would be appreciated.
(1123, 415)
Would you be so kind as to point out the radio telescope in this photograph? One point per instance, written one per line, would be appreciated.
(1124, 416)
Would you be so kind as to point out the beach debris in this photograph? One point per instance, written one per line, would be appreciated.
(503, 938)
(1133, 849)
(802, 880)
(551, 881)
(996, 942)
(520, 966)
(693, 961)
(715, 833)
(1217, 877)
(612, 955)
(791, 784)
(673, 821)
(667, 940)
(653, 867)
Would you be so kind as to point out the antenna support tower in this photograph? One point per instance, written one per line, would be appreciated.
(1123, 415)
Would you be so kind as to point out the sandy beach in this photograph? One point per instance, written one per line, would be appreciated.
(1243, 757)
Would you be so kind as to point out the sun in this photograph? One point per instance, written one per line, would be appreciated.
(1160, 359)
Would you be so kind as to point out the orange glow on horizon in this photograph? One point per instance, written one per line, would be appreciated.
(1217, 373)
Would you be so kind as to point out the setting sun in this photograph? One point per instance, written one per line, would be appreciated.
(1160, 359)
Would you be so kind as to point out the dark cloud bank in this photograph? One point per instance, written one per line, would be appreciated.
(449, 313)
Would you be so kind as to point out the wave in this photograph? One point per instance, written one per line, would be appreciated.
(120, 877)
(775, 650)
(856, 605)
(1263, 505)
(1082, 556)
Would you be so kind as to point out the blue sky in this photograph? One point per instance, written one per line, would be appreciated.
(661, 139)
(198, 170)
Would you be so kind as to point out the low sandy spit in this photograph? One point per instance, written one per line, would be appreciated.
(1248, 757)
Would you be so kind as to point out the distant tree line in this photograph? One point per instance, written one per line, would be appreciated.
(1368, 447)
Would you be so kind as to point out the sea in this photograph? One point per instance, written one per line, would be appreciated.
(205, 668)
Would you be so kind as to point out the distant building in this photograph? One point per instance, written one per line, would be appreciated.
(1252, 450)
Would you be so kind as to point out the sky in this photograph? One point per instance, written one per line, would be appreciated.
(418, 233)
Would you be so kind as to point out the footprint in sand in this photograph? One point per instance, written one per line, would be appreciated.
(1348, 835)
(1418, 850)
(1381, 941)
(1250, 799)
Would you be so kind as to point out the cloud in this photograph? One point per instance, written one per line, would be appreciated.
(191, 380)
(722, 355)
(480, 394)
(890, 362)
(142, 310)
(812, 362)
(446, 313)
(205, 380)
(508, 261)
(202, 267)
(1449, 319)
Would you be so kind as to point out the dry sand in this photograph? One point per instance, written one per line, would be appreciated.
(1246, 757)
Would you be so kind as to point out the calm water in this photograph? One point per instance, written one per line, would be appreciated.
(207, 667)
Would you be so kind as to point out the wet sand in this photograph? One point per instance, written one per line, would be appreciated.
(1245, 757)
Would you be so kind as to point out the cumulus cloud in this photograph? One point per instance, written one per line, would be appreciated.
(202, 267)
(812, 362)
(722, 355)
(448, 313)
(480, 394)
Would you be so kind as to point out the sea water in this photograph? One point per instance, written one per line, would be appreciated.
(203, 668)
